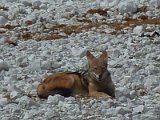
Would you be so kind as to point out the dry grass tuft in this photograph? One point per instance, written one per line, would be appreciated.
(142, 9)
(9, 27)
(26, 35)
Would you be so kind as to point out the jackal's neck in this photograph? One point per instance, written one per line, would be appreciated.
(84, 78)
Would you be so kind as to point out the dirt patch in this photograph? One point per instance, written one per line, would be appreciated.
(87, 25)
(83, 25)
(117, 26)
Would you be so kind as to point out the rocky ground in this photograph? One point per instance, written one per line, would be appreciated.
(41, 37)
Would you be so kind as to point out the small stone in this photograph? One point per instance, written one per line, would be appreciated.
(27, 116)
(148, 116)
(31, 102)
(116, 53)
(157, 89)
(69, 2)
(3, 20)
(29, 21)
(2, 41)
(2, 30)
(155, 3)
(26, 3)
(3, 65)
(137, 30)
(70, 99)
(120, 110)
(122, 91)
(46, 65)
(36, 4)
(139, 109)
(34, 66)
(26, 102)
(3, 101)
(49, 113)
(151, 70)
(110, 111)
(127, 7)
(122, 99)
(43, 6)
(55, 99)
(132, 94)
(13, 94)
(78, 51)
(151, 81)
(22, 61)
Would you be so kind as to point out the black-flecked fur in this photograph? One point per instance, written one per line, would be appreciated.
(66, 92)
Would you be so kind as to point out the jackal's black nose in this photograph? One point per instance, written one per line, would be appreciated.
(100, 77)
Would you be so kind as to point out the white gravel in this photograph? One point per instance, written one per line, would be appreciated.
(26, 60)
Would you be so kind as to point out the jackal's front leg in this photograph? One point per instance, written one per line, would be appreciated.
(94, 93)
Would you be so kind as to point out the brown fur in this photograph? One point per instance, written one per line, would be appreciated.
(71, 83)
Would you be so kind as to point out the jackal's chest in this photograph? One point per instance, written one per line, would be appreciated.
(108, 88)
(102, 87)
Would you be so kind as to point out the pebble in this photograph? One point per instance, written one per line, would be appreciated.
(3, 65)
(152, 81)
(34, 66)
(78, 51)
(127, 7)
(3, 20)
(132, 94)
(157, 89)
(43, 6)
(14, 94)
(120, 110)
(26, 3)
(55, 99)
(36, 4)
(137, 30)
(139, 109)
(116, 53)
(46, 65)
(3, 101)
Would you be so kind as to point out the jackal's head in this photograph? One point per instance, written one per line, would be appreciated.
(98, 66)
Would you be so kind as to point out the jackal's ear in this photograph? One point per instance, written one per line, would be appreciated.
(89, 56)
(104, 56)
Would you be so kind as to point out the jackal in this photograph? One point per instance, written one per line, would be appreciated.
(95, 81)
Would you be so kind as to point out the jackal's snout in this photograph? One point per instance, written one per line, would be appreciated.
(97, 77)
(100, 77)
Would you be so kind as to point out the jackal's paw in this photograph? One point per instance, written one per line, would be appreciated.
(107, 97)
(99, 94)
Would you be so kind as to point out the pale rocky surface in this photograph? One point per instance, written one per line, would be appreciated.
(26, 59)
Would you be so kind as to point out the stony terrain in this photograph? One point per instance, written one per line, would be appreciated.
(41, 37)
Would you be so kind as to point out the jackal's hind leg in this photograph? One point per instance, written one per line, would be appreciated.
(56, 85)
(66, 92)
